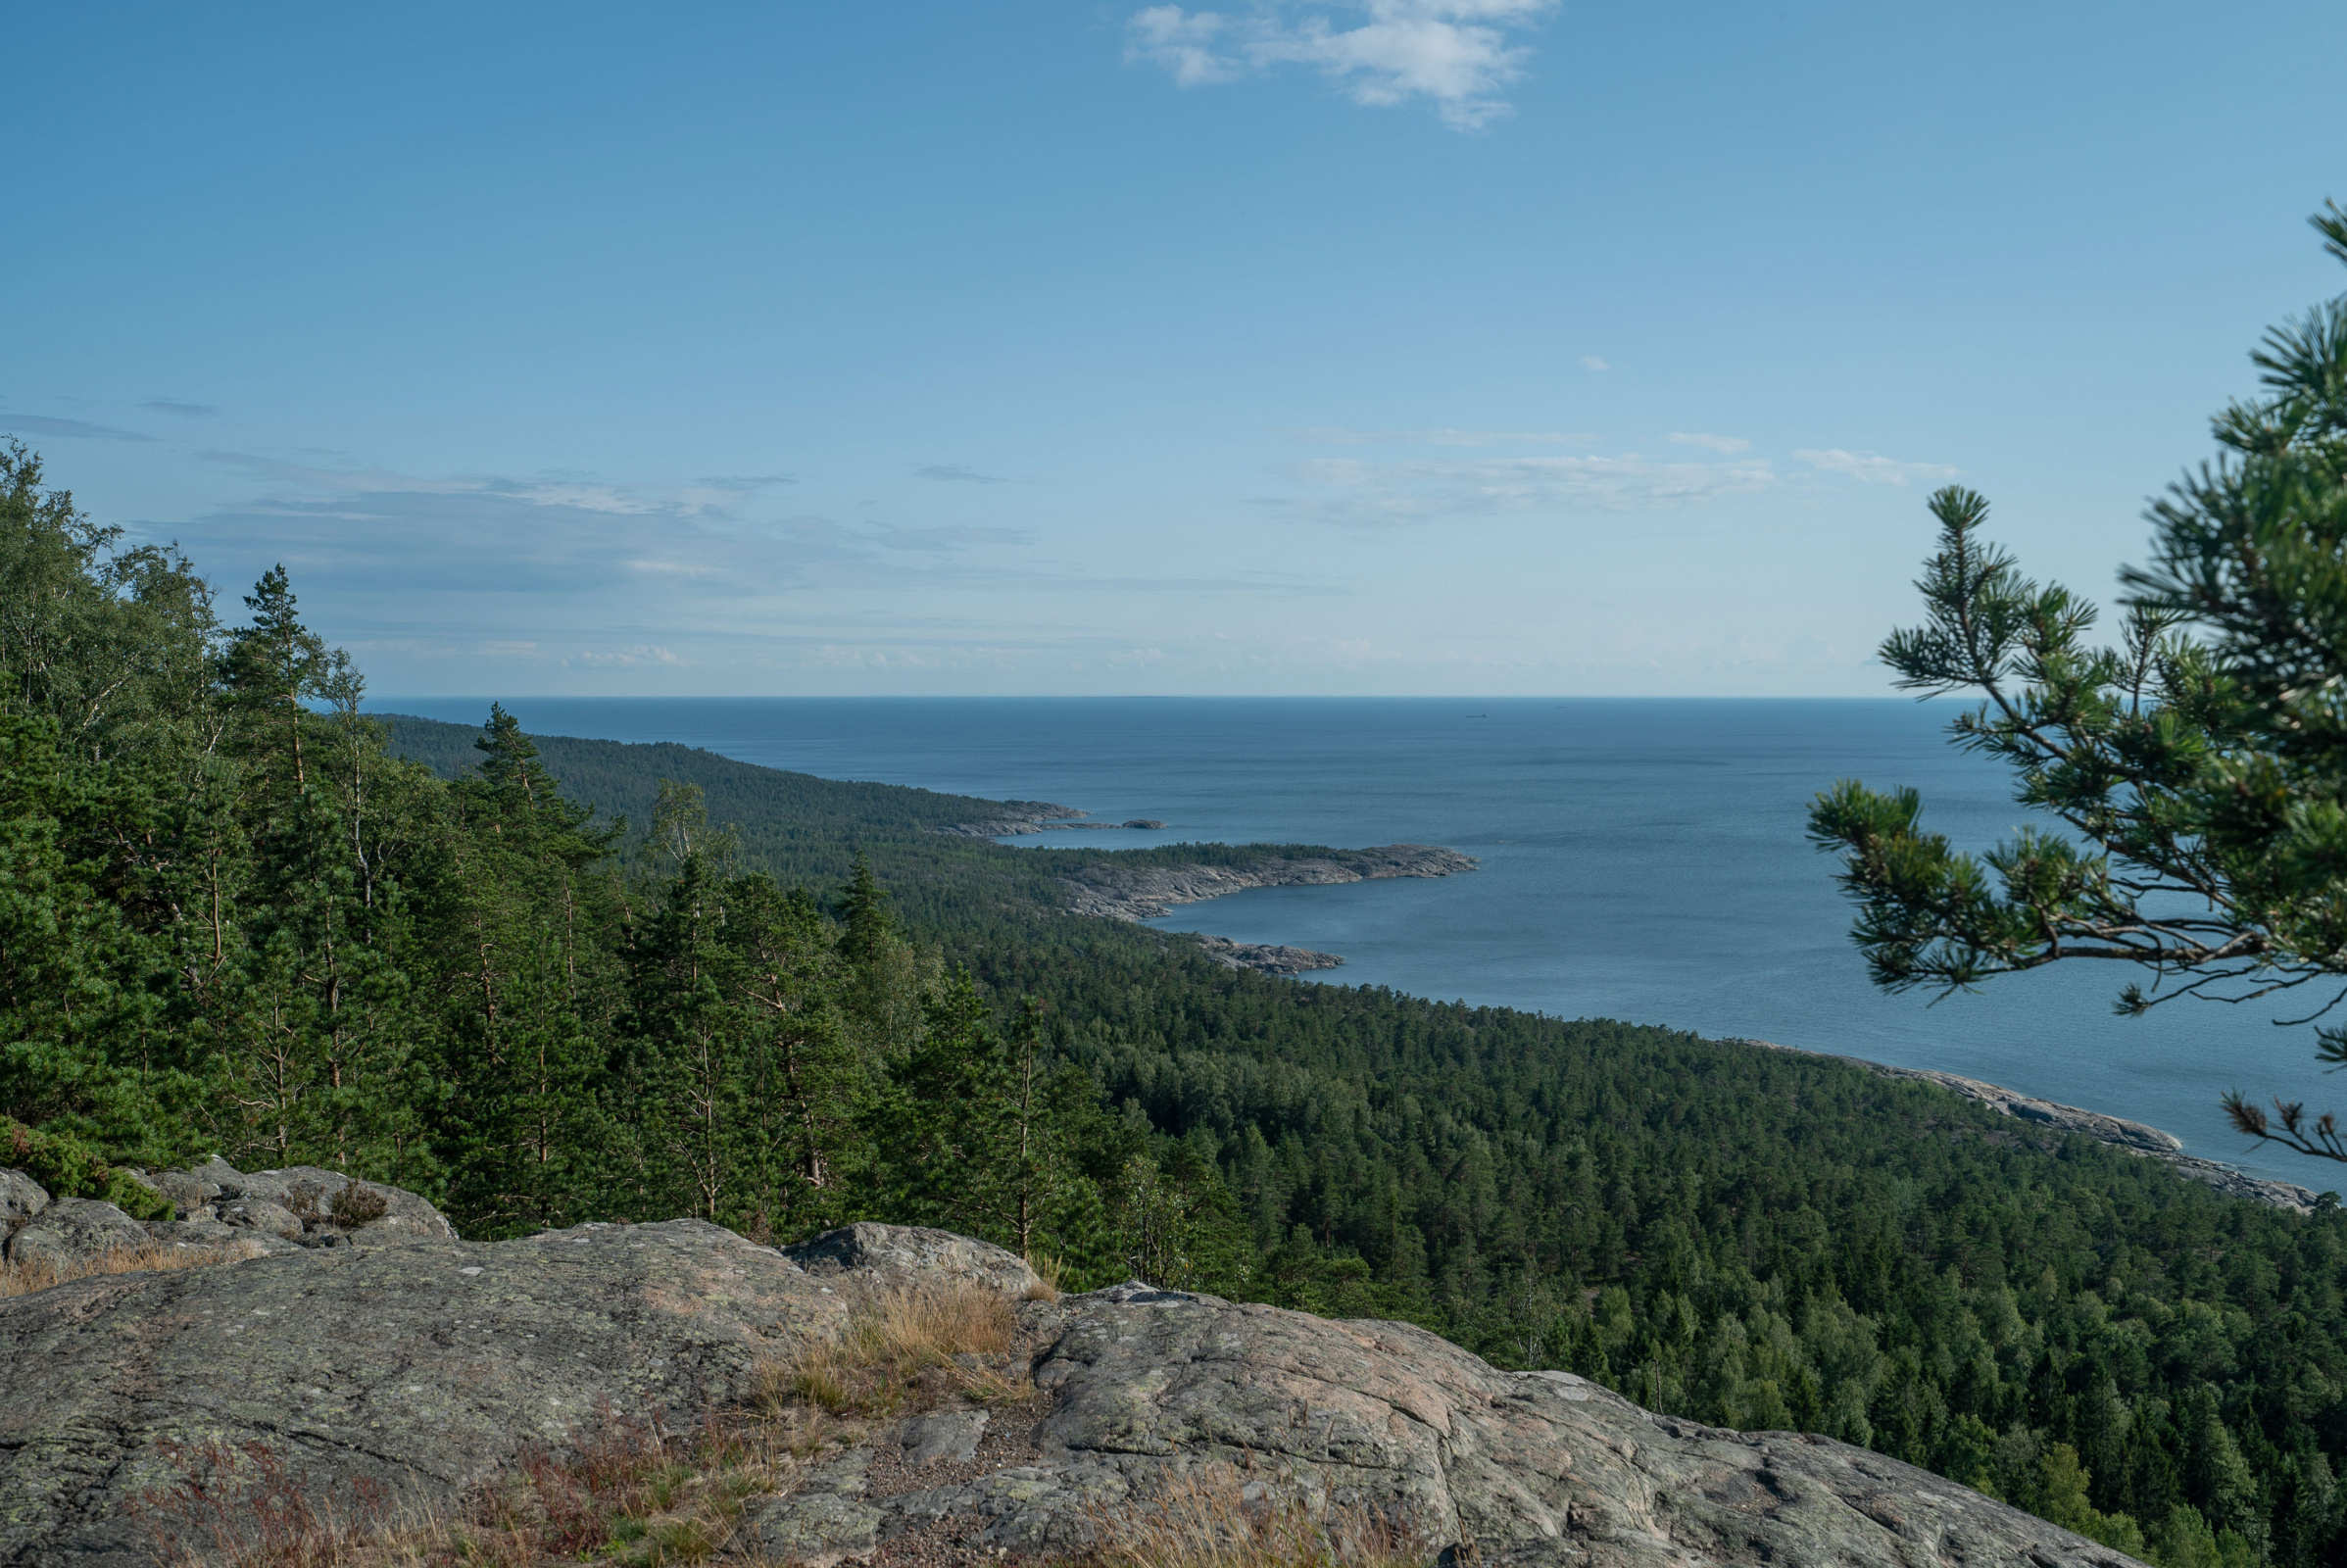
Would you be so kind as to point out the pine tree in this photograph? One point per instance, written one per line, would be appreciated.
(2197, 770)
(311, 1015)
(523, 925)
(806, 1160)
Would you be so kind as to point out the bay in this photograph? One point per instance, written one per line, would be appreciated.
(1641, 860)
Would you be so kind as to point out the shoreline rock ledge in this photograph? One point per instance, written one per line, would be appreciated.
(1126, 892)
(431, 1367)
(2136, 1137)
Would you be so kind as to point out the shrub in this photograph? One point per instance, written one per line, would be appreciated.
(356, 1205)
(71, 1168)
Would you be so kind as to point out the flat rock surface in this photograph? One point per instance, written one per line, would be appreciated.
(1143, 1393)
(425, 1367)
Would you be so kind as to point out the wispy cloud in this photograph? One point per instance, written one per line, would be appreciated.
(1869, 468)
(42, 424)
(709, 498)
(955, 473)
(1338, 435)
(1590, 362)
(185, 410)
(1725, 444)
(635, 657)
(1456, 54)
(1385, 494)
(375, 532)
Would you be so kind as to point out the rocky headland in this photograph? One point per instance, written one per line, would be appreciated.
(1126, 892)
(2134, 1137)
(1264, 957)
(1021, 818)
(436, 1370)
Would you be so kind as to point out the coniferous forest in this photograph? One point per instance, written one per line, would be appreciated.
(545, 981)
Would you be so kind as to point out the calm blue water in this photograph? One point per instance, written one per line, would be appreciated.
(1641, 860)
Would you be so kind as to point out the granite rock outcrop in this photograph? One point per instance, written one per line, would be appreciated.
(431, 1368)
(1265, 958)
(213, 1205)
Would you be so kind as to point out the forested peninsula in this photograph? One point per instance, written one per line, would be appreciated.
(543, 981)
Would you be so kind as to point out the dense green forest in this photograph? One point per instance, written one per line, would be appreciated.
(239, 915)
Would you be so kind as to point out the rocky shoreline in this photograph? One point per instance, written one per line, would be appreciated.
(1041, 816)
(2136, 1137)
(1264, 957)
(1148, 892)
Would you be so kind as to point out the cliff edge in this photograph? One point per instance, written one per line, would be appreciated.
(432, 1369)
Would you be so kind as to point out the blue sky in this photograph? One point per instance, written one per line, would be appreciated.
(1411, 346)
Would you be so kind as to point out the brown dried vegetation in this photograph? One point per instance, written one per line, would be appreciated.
(38, 1274)
(630, 1492)
(901, 1351)
(1217, 1518)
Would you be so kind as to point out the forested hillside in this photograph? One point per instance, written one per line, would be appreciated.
(238, 915)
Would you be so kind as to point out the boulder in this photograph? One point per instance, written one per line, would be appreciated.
(194, 1190)
(21, 1197)
(71, 1232)
(259, 1214)
(304, 1204)
(890, 1257)
(233, 1242)
(425, 1368)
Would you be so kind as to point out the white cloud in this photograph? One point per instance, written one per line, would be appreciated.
(1453, 53)
(1338, 435)
(1590, 362)
(1381, 493)
(1868, 469)
(1724, 444)
(1183, 42)
(633, 657)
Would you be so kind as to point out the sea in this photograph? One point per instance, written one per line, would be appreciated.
(1643, 859)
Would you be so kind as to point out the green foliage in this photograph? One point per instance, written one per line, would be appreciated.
(70, 1168)
(111, 646)
(2197, 772)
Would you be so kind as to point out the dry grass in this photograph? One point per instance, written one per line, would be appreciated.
(1207, 1520)
(38, 1274)
(1046, 1278)
(239, 1507)
(632, 1495)
(900, 1349)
